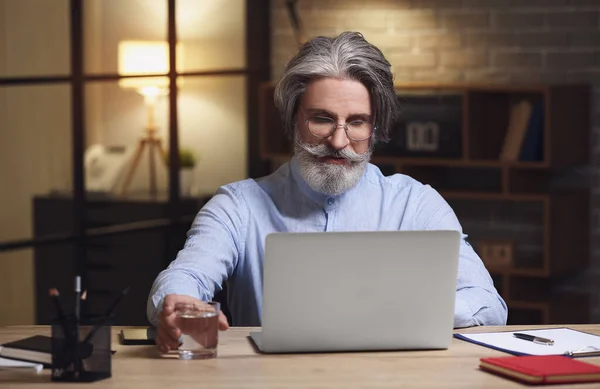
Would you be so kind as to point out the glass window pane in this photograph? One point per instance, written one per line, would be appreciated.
(110, 265)
(213, 125)
(17, 285)
(119, 123)
(212, 34)
(109, 22)
(34, 38)
(55, 267)
(35, 152)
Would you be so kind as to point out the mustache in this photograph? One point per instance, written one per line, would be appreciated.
(323, 151)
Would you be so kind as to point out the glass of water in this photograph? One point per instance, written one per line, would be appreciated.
(199, 325)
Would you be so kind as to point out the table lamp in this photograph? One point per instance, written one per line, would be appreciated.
(137, 58)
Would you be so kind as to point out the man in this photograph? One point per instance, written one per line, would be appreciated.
(337, 100)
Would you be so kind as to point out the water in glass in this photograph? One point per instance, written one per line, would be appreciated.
(200, 333)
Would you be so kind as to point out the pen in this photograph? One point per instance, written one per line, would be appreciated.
(77, 298)
(55, 295)
(591, 352)
(77, 356)
(83, 309)
(111, 311)
(108, 316)
(534, 339)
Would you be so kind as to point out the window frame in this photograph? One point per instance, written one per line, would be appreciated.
(256, 71)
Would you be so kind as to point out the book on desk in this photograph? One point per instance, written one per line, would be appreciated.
(542, 369)
(36, 348)
(12, 364)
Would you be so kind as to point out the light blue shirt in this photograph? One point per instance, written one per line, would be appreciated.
(227, 238)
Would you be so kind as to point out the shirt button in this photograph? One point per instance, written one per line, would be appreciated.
(330, 201)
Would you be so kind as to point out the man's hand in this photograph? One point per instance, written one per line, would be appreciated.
(167, 334)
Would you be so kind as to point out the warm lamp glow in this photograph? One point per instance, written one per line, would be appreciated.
(137, 58)
(145, 57)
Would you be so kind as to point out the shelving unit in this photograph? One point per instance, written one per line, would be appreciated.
(525, 202)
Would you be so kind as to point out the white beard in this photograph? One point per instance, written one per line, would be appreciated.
(327, 178)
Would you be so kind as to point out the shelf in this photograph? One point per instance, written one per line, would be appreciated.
(460, 162)
(276, 156)
(493, 196)
(563, 309)
(465, 86)
(436, 162)
(498, 195)
(460, 86)
(541, 273)
(451, 136)
(528, 305)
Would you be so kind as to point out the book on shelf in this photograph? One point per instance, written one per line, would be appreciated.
(520, 114)
(532, 148)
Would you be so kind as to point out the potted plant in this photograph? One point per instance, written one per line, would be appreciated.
(187, 163)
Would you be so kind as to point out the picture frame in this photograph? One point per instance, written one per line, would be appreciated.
(104, 166)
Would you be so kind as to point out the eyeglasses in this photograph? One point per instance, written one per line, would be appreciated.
(324, 127)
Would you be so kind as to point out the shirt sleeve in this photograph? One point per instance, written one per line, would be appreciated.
(209, 256)
(477, 300)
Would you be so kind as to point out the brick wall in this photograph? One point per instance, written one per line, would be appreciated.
(504, 41)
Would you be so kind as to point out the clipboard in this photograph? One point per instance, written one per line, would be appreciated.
(567, 342)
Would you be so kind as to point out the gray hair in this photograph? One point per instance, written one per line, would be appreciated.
(347, 56)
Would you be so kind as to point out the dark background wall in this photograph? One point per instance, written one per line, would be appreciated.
(503, 41)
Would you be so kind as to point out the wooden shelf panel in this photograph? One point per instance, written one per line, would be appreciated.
(507, 88)
(529, 305)
(459, 162)
(538, 273)
(442, 162)
(277, 157)
(494, 196)
(467, 86)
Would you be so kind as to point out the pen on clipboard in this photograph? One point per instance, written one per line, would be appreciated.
(534, 339)
(587, 351)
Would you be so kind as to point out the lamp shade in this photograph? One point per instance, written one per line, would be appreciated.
(143, 57)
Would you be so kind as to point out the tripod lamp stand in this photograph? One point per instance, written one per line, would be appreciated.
(138, 58)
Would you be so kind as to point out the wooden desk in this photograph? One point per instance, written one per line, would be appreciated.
(240, 366)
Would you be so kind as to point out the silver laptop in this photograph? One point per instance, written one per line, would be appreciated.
(358, 291)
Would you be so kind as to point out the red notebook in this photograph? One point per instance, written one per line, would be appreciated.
(542, 369)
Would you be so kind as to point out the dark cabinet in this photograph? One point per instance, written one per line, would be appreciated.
(113, 262)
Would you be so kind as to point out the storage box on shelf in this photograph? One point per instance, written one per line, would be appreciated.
(499, 155)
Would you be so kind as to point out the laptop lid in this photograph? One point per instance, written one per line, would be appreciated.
(344, 291)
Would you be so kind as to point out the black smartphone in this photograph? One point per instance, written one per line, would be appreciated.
(138, 336)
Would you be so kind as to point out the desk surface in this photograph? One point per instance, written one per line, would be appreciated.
(240, 366)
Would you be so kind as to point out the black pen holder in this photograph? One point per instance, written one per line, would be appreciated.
(81, 352)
